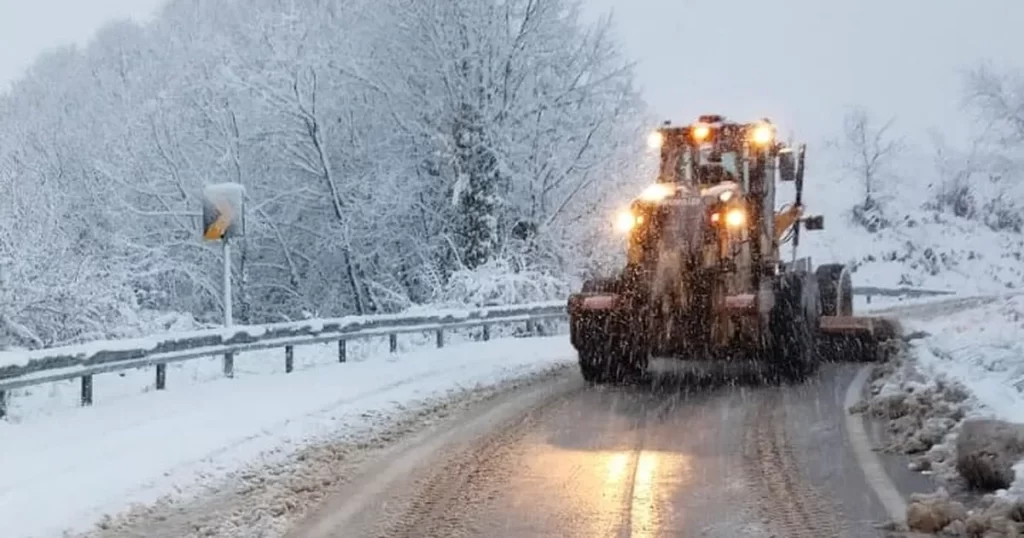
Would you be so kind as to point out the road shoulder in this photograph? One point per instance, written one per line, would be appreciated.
(269, 498)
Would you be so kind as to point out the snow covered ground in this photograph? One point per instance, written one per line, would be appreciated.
(981, 347)
(966, 362)
(918, 247)
(108, 388)
(65, 467)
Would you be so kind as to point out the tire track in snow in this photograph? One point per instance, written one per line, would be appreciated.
(787, 501)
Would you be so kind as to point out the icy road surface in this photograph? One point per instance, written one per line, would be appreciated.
(564, 459)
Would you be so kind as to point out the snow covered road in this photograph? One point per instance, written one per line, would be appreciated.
(576, 461)
(71, 466)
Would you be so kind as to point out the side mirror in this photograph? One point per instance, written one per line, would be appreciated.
(814, 223)
(787, 166)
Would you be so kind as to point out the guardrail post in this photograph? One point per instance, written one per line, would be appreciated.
(229, 365)
(161, 376)
(3, 404)
(342, 354)
(440, 338)
(487, 332)
(86, 390)
(393, 342)
(289, 359)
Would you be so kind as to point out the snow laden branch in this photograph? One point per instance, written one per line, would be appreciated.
(869, 153)
(983, 182)
(393, 153)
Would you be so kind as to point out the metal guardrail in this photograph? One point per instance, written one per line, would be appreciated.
(25, 369)
(871, 291)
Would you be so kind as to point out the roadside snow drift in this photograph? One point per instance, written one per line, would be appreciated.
(70, 466)
(954, 402)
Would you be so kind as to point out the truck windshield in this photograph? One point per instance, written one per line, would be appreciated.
(709, 172)
(729, 162)
(705, 171)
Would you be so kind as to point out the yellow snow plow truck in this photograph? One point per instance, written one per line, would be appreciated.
(704, 279)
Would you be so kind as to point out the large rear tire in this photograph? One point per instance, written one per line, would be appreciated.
(612, 359)
(611, 348)
(590, 369)
(794, 326)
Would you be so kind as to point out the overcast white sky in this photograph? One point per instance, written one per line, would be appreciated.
(801, 62)
(797, 61)
(29, 27)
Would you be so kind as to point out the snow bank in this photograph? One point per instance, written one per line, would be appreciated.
(966, 365)
(141, 448)
(984, 349)
(937, 512)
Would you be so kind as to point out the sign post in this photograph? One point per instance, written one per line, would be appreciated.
(223, 219)
(228, 317)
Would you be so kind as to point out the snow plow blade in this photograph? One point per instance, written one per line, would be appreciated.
(857, 338)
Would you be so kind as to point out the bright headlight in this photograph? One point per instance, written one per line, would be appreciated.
(763, 135)
(700, 131)
(655, 140)
(735, 218)
(624, 222)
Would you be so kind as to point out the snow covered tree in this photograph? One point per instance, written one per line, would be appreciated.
(394, 152)
(551, 108)
(997, 159)
(869, 152)
(475, 189)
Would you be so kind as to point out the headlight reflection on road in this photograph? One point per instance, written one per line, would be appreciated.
(645, 513)
(645, 485)
(603, 491)
(618, 464)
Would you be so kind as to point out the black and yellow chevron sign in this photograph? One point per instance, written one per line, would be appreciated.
(218, 222)
(222, 212)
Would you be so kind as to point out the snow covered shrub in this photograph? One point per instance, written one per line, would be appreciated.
(1003, 214)
(955, 197)
(499, 282)
(136, 323)
(870, 216)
